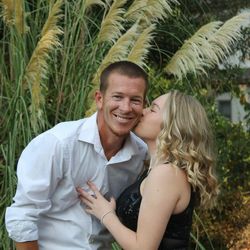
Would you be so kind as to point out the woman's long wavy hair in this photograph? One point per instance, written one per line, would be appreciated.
(186, 140)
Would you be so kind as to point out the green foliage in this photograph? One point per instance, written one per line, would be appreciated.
(115, 246)
(222, 226)
(234, 161)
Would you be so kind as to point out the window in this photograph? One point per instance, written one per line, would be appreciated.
(224, 107)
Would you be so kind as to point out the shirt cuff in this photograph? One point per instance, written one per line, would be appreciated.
(22, 231)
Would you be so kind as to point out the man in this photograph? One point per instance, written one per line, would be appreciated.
(47, 213)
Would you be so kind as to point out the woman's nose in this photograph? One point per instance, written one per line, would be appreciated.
(144, 111)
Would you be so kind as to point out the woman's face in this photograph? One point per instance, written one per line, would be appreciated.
(150, 124)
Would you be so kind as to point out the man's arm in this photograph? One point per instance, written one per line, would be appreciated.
(39, 171)
(29, 245)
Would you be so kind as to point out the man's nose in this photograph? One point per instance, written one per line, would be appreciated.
(126, 106)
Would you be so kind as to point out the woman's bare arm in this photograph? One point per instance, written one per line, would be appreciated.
(161, 193)
(29, 245)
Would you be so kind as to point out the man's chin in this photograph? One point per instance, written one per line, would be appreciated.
(121, 133)
(135, 126)
(135, 130)
(125, 132)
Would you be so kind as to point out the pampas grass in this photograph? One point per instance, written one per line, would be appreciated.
(229, 33)
(141, 47)
(191, 57)
(13, 14)
(8, 10)
(37, 68)
(20, 17)
(120, 49)
(211, 44)
(112, 24)
(90, 3)
(150, 10)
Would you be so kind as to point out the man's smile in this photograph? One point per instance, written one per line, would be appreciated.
(122, 118)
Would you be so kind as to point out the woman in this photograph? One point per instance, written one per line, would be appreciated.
(156, 211)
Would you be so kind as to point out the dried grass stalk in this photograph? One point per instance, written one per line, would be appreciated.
(20, 17)
(228, 34)
(119, 51)
(52, 20)
(191, 56)
(112, 24)
(8, 10)
(90, 3)
(13, 14)
(37, 68)
(207, 47)
(150, 10)
(141, 47)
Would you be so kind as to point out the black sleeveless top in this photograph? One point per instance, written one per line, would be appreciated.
(178, 229)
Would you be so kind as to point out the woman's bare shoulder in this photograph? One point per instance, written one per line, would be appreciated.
(166, 169)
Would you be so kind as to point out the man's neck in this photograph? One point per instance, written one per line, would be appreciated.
(112, 145)
(110, 141)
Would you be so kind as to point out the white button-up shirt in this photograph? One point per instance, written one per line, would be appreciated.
(46, 205)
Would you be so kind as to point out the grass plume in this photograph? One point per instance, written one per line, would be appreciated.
(118, 51)
(207, 47)
(20, 17)
(191, 56)
(36, 69)
(89, 3)
(13, 13)
(53, 18)
(8, 10)
(229, 33)
(141, 47)
(150, 10)
(112, 24)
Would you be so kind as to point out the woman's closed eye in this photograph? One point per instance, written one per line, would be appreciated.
(154, 108)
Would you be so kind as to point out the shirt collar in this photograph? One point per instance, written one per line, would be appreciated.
(89, 130)
(89, 133)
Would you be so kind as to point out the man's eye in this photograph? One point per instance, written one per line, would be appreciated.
(117, 97)
(136, 101)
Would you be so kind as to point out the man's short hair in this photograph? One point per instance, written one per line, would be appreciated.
(125, 68)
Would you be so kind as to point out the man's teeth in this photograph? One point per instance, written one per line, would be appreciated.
(122, 118)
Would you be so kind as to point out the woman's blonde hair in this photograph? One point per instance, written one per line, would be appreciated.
(186, 140)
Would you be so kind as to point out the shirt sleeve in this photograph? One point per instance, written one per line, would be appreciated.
(39, 170)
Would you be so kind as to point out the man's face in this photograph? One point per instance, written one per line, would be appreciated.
(120, 107)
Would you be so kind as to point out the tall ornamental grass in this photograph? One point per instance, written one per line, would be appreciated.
(52, 53)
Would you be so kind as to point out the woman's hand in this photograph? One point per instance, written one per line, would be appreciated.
(96, 204)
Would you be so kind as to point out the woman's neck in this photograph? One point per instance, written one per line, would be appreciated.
(151, 150)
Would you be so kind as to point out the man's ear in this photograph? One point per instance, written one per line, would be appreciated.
(98, 99)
